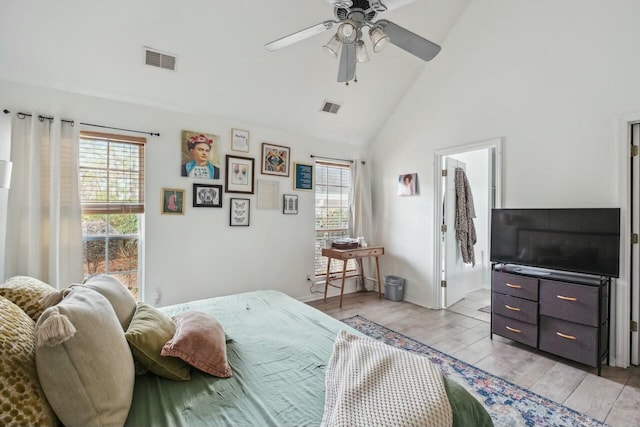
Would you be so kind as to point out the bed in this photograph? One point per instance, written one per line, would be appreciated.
(278, 349)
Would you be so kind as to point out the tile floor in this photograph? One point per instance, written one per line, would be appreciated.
(463, 332)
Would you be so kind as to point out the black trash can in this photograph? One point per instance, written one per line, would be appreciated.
(394, 288)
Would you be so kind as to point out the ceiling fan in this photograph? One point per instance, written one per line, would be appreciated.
(352, 17)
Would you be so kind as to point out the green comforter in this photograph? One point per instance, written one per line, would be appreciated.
(278, 349)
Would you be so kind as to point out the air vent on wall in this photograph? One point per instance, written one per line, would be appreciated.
(159, 59)
(330, 107)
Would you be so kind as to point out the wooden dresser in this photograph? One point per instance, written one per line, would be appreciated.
(560, 313)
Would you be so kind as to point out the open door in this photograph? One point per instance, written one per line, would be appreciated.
(453, 274)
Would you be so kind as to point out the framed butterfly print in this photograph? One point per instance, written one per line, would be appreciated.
(239, 212)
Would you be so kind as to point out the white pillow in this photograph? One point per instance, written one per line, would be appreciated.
(84, 362)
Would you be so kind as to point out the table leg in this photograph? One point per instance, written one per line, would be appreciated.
(326, 281)
(344, 276)
(379, 280)
(364, 288)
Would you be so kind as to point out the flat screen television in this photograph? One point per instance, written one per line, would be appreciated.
(576, 240)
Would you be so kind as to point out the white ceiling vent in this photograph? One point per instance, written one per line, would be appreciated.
(330, 107)
(155, 58)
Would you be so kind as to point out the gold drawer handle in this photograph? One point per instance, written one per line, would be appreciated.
(512, 308)
(517, 331)
(567, 298)
(514, 286)
(569, 337)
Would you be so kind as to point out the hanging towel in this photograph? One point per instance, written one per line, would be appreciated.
(465, 212)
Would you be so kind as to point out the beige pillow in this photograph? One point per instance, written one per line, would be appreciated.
(118, 295)
(148, 332)
(83, 360)
(22, 401)
(200, 341)
(26, 293)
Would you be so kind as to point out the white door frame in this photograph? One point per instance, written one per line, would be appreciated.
(625, 349)
(438, 163)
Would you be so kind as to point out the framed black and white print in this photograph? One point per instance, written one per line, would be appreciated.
(290, 204)
(207, 196)
(239, 212)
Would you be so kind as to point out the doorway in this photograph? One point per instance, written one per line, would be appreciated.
(482, 162)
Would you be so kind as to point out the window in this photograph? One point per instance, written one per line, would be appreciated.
(111, 179)
(333, 187)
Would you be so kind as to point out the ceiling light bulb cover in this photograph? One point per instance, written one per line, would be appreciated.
(5, 174)
(347, 33)
(361, 52)
(333, 46)
(379, 39)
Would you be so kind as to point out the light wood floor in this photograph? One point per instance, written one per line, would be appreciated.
(463, 332)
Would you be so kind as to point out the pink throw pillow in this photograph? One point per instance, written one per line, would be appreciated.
(199, 340)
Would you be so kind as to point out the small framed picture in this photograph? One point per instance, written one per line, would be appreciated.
(239, 212)
(408, 184)
(240, 140)
(302, 177)
(207, 196)
(239, 174)
(275, 159)
(172, 201)
(290, 204)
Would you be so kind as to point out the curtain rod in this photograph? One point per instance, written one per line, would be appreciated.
(43, 118)
(332, 158)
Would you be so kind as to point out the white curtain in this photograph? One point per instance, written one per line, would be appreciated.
(360, 224)
(44, 228)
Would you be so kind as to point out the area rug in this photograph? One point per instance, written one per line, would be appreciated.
(508, 404)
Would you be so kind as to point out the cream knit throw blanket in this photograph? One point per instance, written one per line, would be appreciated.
(369, 383)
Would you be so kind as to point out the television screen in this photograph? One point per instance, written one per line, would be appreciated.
(577, 240)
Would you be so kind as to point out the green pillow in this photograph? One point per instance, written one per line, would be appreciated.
(148, 332)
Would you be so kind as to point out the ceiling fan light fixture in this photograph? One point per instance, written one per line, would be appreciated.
(361, 52)
(347, 32)
(379, 39)
(332, 47)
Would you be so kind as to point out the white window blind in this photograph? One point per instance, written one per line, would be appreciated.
(333, 186)
(111, 173)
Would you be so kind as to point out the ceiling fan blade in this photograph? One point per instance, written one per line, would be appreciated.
(300, 35)
(347, 70)
(411, 42)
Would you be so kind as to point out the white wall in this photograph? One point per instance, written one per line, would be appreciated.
(199, 255)
(550, 77)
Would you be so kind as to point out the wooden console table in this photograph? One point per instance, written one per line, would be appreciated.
(345, 255)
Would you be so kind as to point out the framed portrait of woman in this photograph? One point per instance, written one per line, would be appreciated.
(200, 155)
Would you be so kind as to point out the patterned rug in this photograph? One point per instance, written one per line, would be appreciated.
(507, 403)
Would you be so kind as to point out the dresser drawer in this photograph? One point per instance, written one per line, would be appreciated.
(516, 330)
(515, 308)
(515, 285)
(572, 340)
(568, 301)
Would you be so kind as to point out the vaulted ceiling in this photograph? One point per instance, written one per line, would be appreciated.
(96, 48)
